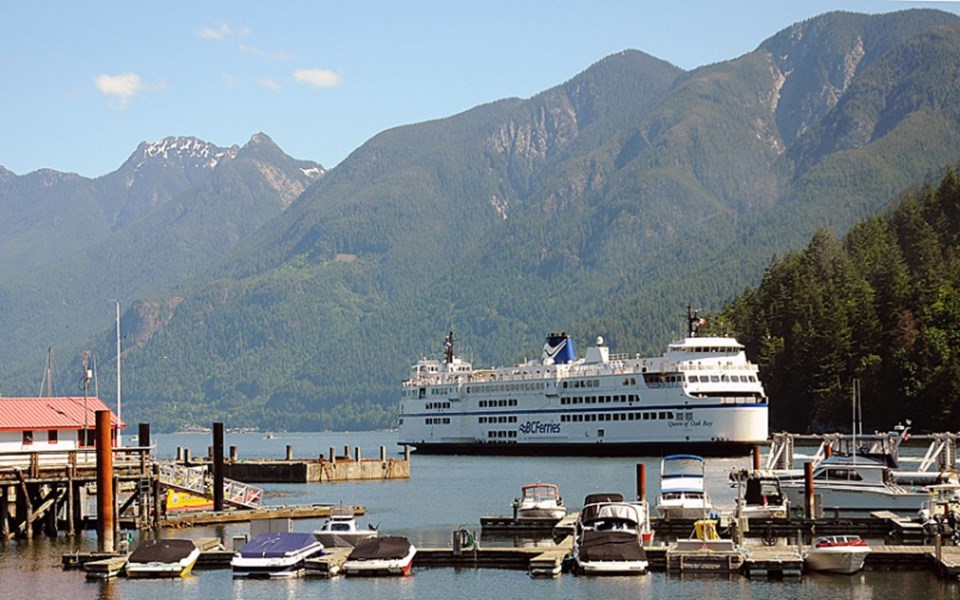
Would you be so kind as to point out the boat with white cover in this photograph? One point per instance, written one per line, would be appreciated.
(701, 395)
(162, 558)
(837, 554)
(275, 555)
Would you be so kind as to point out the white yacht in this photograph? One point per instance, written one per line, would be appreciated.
(340, 530)
(682, 494)
(540, 501)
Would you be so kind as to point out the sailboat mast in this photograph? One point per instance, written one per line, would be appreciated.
(119, 442)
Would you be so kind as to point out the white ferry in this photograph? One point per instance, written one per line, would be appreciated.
(702, 395)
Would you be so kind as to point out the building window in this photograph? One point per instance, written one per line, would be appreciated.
(53, 436)
(27, 438)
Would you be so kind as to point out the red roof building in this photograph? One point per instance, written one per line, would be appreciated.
(54, 423)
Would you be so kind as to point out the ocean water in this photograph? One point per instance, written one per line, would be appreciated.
(443, 493)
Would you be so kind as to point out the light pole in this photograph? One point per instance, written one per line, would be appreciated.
(85, 381)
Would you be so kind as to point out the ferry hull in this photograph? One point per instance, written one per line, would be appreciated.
(713, 449)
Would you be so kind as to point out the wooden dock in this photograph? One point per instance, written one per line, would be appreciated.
(328, 565)
(210, 517)
(504, 524)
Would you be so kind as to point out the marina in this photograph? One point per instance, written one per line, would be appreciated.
(463, 488)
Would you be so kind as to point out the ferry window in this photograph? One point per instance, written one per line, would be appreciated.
(646, 416)
(27, 438)
(626, 381)
(401, 420)
(52, 436)
(616, 417)
(633, 380)
(714, 378)
(446, 420)
(600, 432)
(725, 378)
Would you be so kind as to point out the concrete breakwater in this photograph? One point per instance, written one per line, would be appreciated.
(329, 468)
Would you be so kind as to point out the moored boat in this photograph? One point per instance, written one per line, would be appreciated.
(383, 555)
(275, 555)
(608, 540)
(162, 558)
(759, 495)
(682, 494)
(701, 395)
(837, 554)
(540, 501)
(340, 530)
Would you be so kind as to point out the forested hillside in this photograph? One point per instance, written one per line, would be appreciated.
(881, 306)
(600, 206)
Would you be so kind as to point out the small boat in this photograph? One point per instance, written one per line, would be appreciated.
(759, 496)
(382, 555)
(540, 501)
(942, 499)
(162, 558)
(837, 554)
(275, 554)
(682, 494)
(608, 540)
(340, 530)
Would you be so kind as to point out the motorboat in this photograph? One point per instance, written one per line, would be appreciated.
(837, 554)
(162, 558)
(855, 485)
(340, 530)
(275, 555)
(942, 499)
(759, 495)
(682, 493)
(608, 540)
(382, 555)
(540, 501)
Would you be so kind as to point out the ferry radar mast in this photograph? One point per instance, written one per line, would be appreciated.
(694, 321)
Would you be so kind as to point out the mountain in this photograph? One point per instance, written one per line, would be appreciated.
(600, 206)
(171, 210)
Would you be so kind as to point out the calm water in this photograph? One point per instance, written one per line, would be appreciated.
(442, 494)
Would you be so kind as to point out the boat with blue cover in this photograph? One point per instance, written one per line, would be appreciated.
(275, 555)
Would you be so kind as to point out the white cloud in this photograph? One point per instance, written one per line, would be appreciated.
(120, 88)
(277, 56)
(269, 83)
(221, 31)
(318, 77)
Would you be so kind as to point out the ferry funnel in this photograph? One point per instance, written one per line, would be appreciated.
(558, 349)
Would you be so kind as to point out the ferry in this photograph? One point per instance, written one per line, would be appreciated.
(702, 395)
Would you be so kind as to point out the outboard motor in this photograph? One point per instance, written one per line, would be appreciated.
(558, 349)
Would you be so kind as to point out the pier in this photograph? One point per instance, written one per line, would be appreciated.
(50, 492)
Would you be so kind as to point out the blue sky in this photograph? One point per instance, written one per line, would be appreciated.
(85, 82)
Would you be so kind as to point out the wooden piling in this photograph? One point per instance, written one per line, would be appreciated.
(357, 453)
(105, 513)
(641, 482)
(289, 452)
(234, 454)
(143, 435)
(333, 455)
(808, 489)
(756, 457)
(4, 512)
(218, 466)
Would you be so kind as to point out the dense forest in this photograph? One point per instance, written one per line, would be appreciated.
(881, 306)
